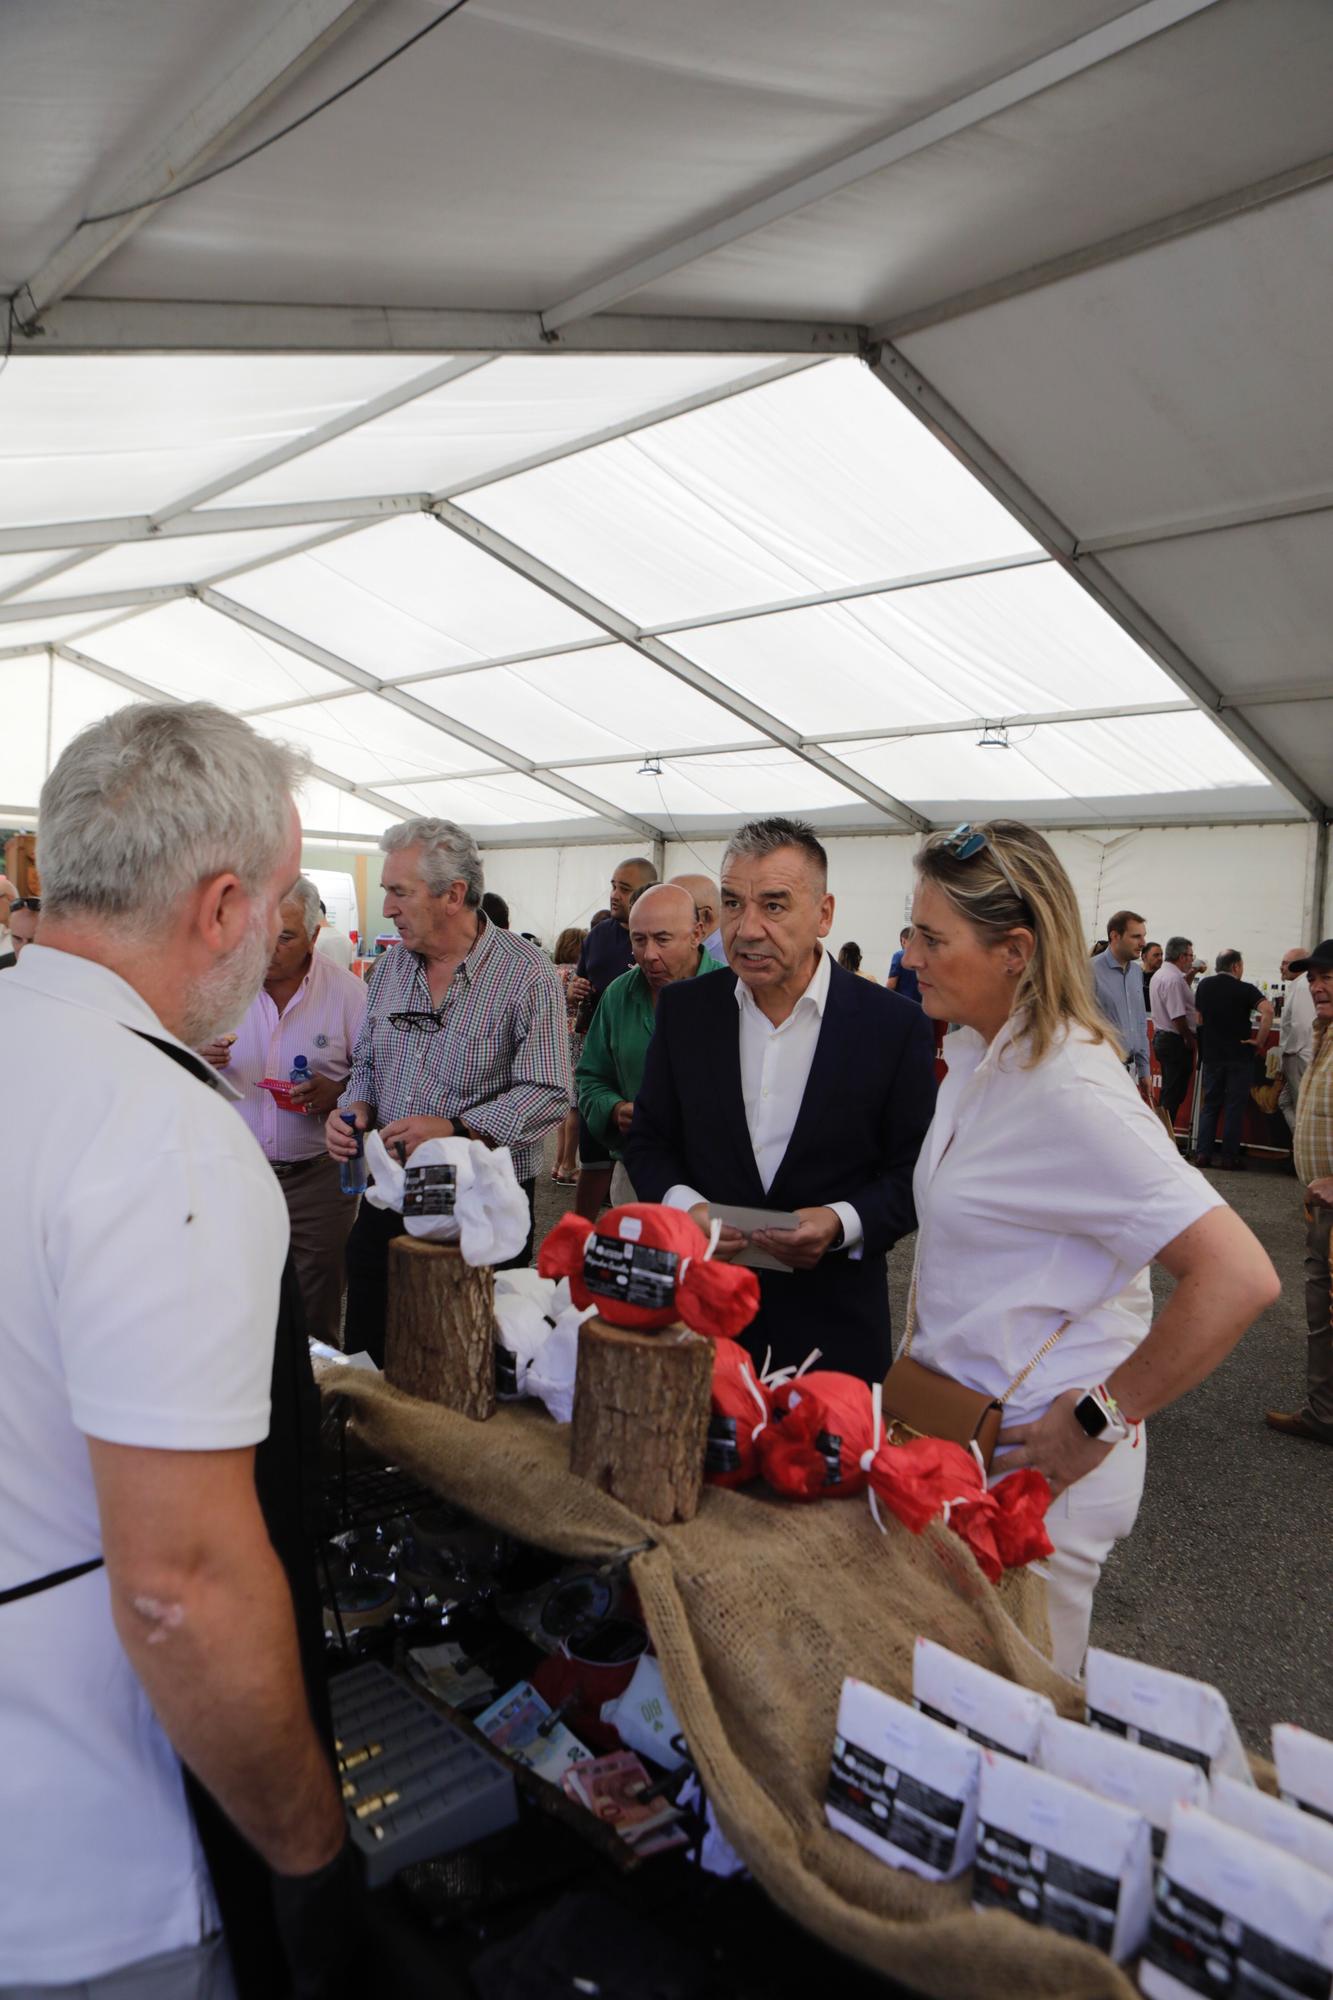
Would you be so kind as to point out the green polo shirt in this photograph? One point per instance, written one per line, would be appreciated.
(610, 1069)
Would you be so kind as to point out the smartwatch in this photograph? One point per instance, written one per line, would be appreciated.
(1099, 1414)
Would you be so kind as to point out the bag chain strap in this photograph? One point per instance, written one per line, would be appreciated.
(905, 1350)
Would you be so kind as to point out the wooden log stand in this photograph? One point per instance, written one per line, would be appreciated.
(439, 1332)
(641, 1404)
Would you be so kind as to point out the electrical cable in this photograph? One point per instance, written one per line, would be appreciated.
(169, 194)
(707, 866)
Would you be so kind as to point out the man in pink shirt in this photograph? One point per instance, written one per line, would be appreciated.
(308, 1006)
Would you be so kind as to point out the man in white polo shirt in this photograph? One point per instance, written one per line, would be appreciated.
(145, 1620)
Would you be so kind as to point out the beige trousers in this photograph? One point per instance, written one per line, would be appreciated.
(321, 1218)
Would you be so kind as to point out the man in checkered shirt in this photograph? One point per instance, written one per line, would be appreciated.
(465, 1032)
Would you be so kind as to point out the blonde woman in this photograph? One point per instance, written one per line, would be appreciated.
(1044, 1190)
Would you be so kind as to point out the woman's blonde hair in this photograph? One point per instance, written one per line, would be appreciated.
(1015, 881)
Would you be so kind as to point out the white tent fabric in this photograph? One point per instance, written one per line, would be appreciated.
(607, 422)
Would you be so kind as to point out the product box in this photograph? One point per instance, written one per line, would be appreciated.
(1164, 1711)
(1234, 1916)
(996, 1713)
(1303, 1834)
(902, 1786)
(1114, 1768)
(1304, 1769)
(1061, 1857)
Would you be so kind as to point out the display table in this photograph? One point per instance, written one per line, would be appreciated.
(758, 1608)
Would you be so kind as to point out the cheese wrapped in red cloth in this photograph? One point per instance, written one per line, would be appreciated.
(821, 1428)
(742, 1405)
(1003, 1525)
(645, 1267)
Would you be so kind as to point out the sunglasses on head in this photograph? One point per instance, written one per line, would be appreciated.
(966, 841)
(33, 903)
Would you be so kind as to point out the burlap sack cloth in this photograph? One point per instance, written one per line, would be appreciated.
(757, 1609)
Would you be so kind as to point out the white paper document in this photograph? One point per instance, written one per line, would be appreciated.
(747, 1220)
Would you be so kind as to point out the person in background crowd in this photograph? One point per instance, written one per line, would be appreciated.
(24, 912)
(496, 910)
(1312, 1146)
(597, 917)
(1101, 946)
(849, 958)
(152, 1656)
(605, 955)
(465, 1033)
(1225, 1002)
(566, 956)
(333, 943)
(307, 1006)
(8, 894)
(1149, 962)
(1044, 1190)
(1117, 984)
(666, 937)
(902, 980)
(704, 891)
(1295, 1031)
(794, 1087)
(1198, 971)
(1174, 1022)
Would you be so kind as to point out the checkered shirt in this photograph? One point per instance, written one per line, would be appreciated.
(500, 1060)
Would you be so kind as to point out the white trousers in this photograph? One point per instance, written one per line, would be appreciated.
(1083, 1523)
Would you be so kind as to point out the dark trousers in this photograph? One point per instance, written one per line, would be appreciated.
(368, 1274)
(1319, 1317)
(1176, 1060)
(1226, 1088)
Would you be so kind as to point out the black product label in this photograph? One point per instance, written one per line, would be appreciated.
(721, 1454)
(905, 1811)
(830, 1450)
(972, 1735)
(1133, 1734)
(1212, 1952)
(430, 1190)
(634, 1273)
(1158, 1842)
(1303, 1805)
(1044, 1887)
(506, 1371)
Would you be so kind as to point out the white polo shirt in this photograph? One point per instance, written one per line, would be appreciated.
(145, 1238)
(1042, 1195)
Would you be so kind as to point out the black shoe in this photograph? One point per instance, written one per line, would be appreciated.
(1236, 1166)
(1203, 1159)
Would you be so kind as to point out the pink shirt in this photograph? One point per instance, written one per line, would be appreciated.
(1172, 999)
(321, 1022)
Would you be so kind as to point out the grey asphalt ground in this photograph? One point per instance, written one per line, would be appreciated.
(1229, 1572)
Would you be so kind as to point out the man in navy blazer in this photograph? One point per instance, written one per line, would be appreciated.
(795, 1086)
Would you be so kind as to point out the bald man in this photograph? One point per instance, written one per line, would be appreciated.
(706, 902)
(666, 938)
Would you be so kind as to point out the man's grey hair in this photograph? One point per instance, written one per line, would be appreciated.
(448, 854)
(146, 804)
(304, 892)
(1176, 947)
(766, 836)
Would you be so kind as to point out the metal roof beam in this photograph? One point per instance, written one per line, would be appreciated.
(91, 601)
(433, 718)
(189, 326)
(899, 143)
(303, 31)
(566, 592)
(1112, 249)
(1207, 524)
(999, 479)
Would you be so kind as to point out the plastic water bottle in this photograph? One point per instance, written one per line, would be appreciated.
(352, 1173)
(301, 1071)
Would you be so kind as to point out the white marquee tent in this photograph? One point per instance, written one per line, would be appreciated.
(607, 422)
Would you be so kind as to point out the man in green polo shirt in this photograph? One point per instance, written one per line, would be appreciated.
(666, 938)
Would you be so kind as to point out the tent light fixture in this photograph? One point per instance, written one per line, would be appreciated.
(994, 736)
(651, 767)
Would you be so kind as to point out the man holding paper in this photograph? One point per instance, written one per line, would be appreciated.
(795, 1088)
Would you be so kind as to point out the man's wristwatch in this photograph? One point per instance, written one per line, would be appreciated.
(1100, 1416)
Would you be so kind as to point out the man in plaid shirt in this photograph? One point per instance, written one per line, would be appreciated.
(465, 1033)
(1312, 1145)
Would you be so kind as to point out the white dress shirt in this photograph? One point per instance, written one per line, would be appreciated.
(1295, 1034)
(1043, 1194)
(143, 1255)
(775, 1068)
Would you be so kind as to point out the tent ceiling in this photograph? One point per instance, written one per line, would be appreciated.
(1097, 234)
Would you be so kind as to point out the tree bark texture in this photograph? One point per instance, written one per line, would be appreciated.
(641, 1404)
(439, 1336)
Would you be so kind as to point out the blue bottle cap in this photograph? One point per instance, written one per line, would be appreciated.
(300, 1063)
(348, 1119)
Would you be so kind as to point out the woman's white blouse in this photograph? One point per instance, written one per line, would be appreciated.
(1042, 1194)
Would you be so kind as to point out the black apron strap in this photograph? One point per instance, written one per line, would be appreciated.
(56, 1576)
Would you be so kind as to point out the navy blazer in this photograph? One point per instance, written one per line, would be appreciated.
(867, 1104)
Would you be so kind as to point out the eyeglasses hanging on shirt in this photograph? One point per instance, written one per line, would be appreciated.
(426, 1021)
